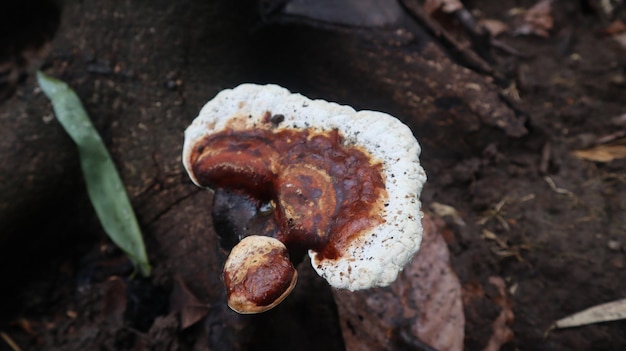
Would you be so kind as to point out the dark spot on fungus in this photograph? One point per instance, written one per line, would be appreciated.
(277, 119)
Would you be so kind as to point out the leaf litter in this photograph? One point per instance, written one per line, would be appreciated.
(602, 153)
(606, 312)
(443, 210)
(422, 309)
(104, 185)
(537, 20)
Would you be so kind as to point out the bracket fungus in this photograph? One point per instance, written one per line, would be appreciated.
(324, 178)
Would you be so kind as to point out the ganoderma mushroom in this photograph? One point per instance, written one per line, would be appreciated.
(258, 274)
(340, 184)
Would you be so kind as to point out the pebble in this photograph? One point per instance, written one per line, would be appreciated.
(614, 245)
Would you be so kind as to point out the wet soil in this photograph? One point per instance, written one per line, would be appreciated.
(144, 69)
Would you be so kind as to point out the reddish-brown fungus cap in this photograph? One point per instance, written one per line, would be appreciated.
(258, 274)
(346, 184)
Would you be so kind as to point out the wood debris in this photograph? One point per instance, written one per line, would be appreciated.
(537, 20)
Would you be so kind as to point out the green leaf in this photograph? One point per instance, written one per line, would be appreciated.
(104, 186)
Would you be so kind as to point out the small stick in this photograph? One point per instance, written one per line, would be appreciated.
(556, 189)
(545, 158)
(10, 342)
(611, 137)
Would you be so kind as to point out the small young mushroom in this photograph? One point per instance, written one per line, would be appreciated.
(343, 185)
(258, 274)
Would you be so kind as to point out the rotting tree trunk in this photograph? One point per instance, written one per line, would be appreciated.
(144, 70)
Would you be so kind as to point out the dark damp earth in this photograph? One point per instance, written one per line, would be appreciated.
(530, 208)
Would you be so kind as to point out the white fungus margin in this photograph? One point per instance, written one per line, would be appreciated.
(376, 257)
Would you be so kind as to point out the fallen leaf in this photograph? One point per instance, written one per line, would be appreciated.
(537, 20)
(104, 186)
(421, 309)
(447, 6)
(615, 27)
(187, 304)
(443, 210)
(602, 153)
(502, 333)
(479, 297)
(493, 26)
(610, 311)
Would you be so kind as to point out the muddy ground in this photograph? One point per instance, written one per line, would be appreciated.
(549, 223)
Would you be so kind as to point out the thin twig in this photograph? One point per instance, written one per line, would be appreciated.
(462, 52)
(546, 155)
(611, 137)
(556, 189)
(496, 213)
(10, 341)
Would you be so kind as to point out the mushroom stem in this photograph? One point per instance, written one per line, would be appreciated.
(232, 213)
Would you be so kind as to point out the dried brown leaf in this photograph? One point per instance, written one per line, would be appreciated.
(616, 27)
(447, 6)
(423, 306)
(501, 331)
(493, 26)
(606, 312)
(187, 304)
(602, 153)
(478, 297)
(537, 20)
